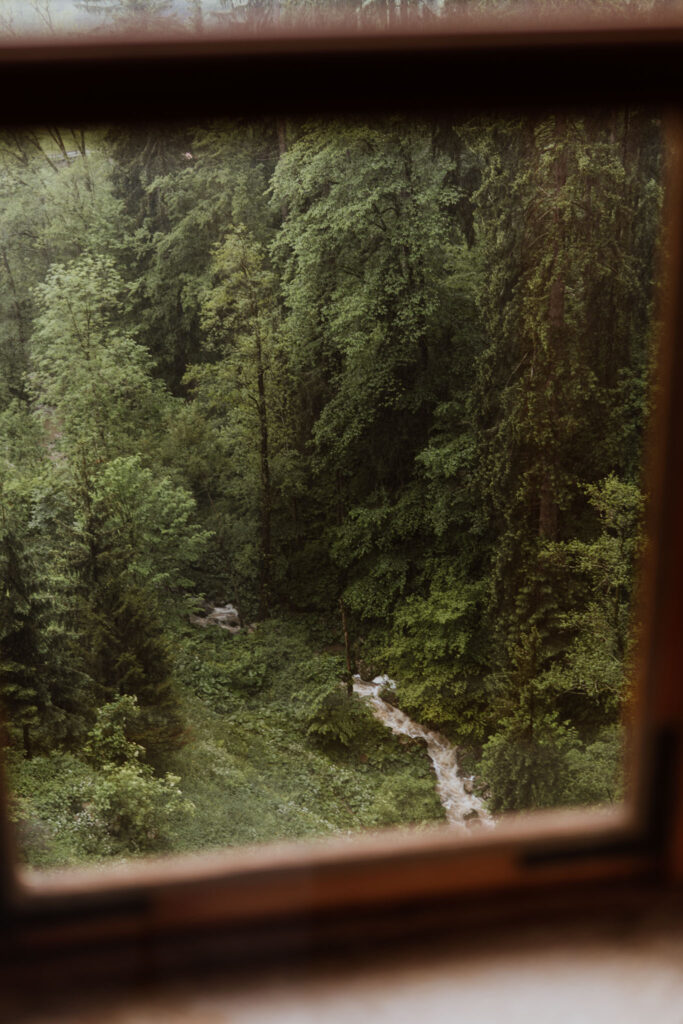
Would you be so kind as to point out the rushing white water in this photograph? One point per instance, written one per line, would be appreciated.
(462, 808)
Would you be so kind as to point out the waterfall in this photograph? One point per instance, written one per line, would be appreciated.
(461, 807)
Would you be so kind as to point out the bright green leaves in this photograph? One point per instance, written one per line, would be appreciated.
(89, 372)
(433, 650)
(148, 534)
(108, 741)
(243, 299)
(540, 757)
(33, 691)
(56, 202)
(369, 259)
(109, 803)
(122, 539)
(536, 760)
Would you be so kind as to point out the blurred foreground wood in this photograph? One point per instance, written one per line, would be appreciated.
(624, 965)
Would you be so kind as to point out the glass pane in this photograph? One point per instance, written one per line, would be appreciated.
(320, 474)
(193, 18)
(93, 19)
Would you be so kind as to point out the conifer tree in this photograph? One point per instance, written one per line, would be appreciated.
(566, 315)
(23, 692)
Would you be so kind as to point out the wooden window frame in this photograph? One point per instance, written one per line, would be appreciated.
(256, 903)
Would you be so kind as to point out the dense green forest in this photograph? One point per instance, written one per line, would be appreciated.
(380, 385)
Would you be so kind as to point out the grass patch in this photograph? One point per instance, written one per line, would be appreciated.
(275, 749)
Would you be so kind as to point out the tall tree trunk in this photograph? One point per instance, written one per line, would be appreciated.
(347, 647)
(548, 511)
(266, 495)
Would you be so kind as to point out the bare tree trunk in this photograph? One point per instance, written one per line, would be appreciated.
(347, 647)
(266, 496)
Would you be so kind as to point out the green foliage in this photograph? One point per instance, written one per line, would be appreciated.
(362, 252)
(148, 533)
(133, 811)
(527, 762)
(402, 791)
(595, 664)
(333, 717)
(432, 650)
(241, 317)
(383, 386)
(108, 741)
(44, 699)
(254, 768)
(109, 804)
(597, 770)
(129, 655)
(19, 686)
(87, 368)
(544, 764)
(222, 669)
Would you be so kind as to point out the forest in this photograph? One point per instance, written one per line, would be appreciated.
(379, 385)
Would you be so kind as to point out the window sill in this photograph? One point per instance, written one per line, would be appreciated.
(626, 965)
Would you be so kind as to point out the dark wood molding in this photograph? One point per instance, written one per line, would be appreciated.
(465, 65)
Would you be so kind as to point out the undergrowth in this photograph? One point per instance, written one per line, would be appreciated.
(274, 749)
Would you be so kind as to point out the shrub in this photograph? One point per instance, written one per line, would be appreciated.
(107, 804)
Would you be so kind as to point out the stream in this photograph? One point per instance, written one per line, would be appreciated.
(462, 808)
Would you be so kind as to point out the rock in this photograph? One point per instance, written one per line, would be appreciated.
(227, 615)
(389, 695)
(223, 616)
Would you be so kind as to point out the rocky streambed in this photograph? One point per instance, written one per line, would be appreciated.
(462, 807)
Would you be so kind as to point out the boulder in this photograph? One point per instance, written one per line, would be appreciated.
(224, 616)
